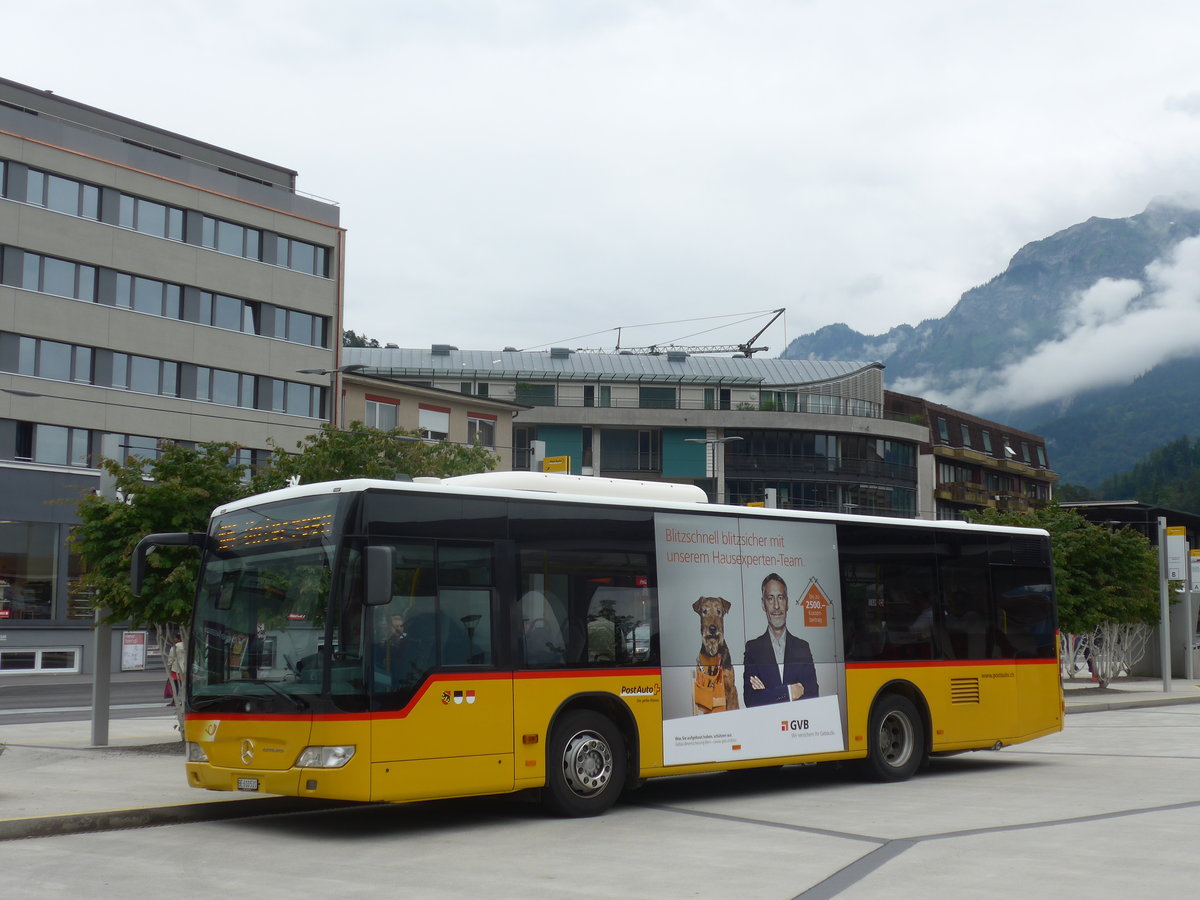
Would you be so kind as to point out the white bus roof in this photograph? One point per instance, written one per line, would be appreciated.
(608, 491)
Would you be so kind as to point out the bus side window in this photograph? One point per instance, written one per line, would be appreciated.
(466, 626)
(542, 629)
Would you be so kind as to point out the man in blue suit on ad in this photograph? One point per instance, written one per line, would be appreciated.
(779, 665)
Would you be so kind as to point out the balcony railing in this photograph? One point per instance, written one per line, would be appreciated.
(825, 406)
(763, 465)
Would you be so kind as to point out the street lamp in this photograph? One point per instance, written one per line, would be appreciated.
(712, 443)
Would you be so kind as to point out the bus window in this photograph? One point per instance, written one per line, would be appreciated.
(440, 615)
(587, 608)
(967, 615)
(1024, 612)
(888, 590)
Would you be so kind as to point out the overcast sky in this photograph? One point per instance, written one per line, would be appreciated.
(534, 173)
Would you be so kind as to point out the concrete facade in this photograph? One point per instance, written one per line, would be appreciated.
(385, 404)
(151, 287)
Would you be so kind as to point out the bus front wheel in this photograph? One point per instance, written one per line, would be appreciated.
(897, 739)
(585, 765)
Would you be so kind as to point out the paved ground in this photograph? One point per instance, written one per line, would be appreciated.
(52, 781)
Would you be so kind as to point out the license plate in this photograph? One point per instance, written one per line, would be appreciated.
(247, 784)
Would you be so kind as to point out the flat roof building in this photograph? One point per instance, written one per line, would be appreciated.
(152, 286)
(812, 433)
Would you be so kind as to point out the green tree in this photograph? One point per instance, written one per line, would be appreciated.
(364, 452)
(1101, 575)
(1107, 587)
(175, 492)
(353, 339)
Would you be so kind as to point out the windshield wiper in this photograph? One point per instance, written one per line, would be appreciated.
(291, 698)
(205, 702)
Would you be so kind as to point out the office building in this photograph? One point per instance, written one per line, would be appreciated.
(152, 286)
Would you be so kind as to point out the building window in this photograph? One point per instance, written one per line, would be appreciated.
(150, 218)
(987, 442)
(60, 660)
(825, 404)
(943, 430)
(531, 394)
(63, 278)
(629, 450)
(481, 429)
(434, 422)
(147, 375)
(75, 198)
(1025, 452)
(966, 435)
(1041, 456)
(656, 397)
(381, 413)
(28, 570)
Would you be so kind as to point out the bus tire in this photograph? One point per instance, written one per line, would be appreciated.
(896, 739)
(585, 765)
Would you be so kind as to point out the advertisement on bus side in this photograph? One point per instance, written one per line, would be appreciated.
(749, 621)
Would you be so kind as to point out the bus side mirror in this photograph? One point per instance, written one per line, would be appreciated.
(381, 564)
(137, 566)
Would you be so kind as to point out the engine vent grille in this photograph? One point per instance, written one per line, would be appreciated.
(964, 690)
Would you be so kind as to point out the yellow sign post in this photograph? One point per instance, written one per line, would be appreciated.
(556, 464)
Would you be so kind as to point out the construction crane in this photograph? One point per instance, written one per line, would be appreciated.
(746, 350)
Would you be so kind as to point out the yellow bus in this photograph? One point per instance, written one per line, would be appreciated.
(399, 641)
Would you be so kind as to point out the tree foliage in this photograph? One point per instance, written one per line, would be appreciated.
(363, 452)
(1101, 575)
(354, 339)
(176, 492)
(179, 490)
(1168, 476)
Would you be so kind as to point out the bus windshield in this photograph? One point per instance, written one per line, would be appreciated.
(261, 629)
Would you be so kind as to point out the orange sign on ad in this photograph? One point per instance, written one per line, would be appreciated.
(816, 607)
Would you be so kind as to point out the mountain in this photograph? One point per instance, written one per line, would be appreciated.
(1085, 338)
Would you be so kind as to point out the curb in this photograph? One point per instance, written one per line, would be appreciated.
(1116, 703)
(146, 817)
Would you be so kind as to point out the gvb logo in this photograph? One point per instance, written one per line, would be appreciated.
(794, 725)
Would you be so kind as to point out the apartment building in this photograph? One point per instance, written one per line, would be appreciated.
(152, 286)
(975, 463)
(813, 434)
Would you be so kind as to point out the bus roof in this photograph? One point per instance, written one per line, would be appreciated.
(575, 488)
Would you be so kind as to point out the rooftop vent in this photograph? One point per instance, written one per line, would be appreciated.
(391, 346)
(560, 352)
(677, 355)
(442, 349)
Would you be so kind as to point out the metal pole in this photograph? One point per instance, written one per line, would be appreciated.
(1164, 607)
(1189, 630)
(101, 679)
(110, 448)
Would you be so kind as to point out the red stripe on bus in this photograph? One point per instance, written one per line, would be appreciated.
(433, 683)
(956, 663)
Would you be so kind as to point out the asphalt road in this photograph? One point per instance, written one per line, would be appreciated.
(33, 700)
(1110, 808)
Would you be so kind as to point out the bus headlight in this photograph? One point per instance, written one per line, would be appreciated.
(324, 757)
(195, 753)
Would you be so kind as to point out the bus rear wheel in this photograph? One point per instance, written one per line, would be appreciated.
(585, 766)
(896, 739)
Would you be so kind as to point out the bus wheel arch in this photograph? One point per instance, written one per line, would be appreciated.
(899, 733)
(591, 755)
